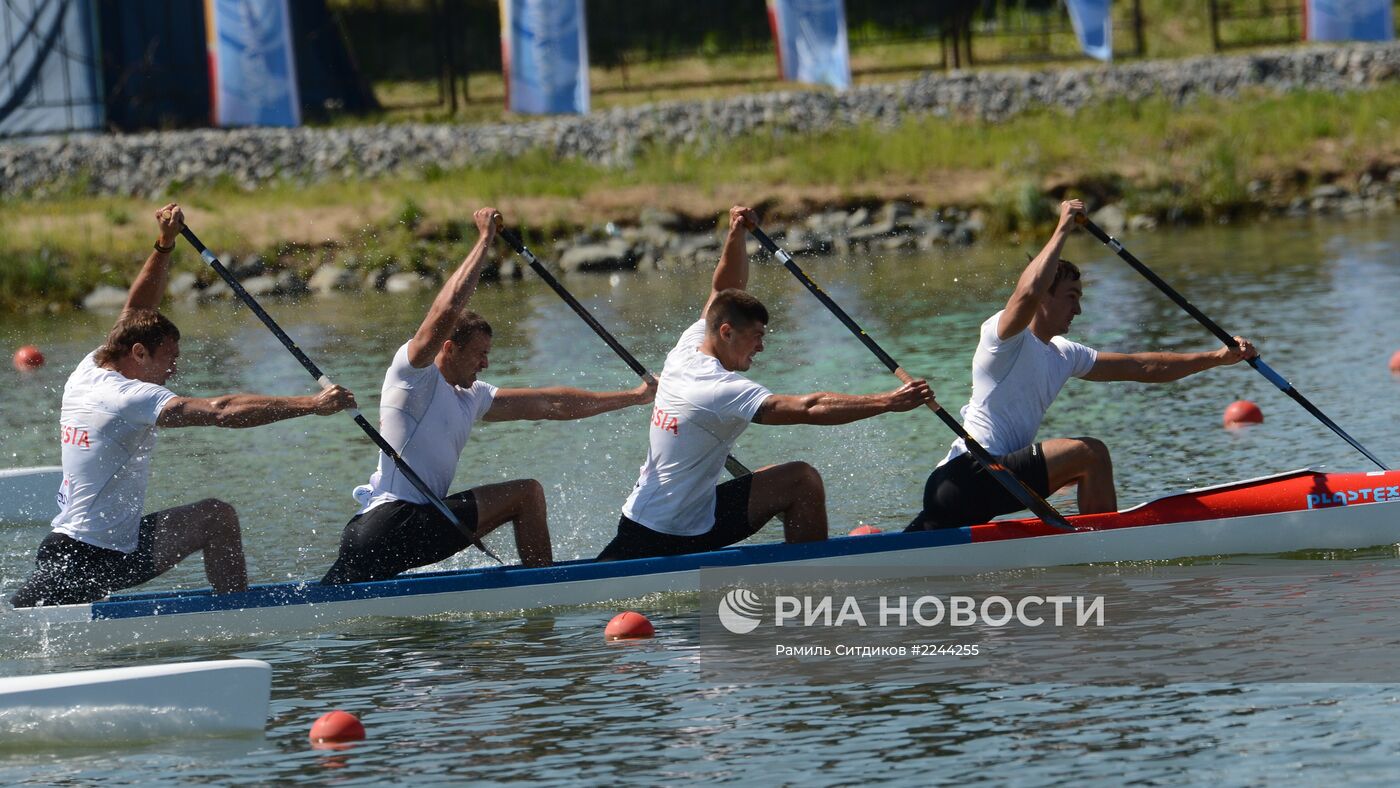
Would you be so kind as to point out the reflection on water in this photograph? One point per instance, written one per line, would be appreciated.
(544, 697)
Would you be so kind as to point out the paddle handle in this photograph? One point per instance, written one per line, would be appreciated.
(512, 240)
(1262, 368)
(1013, 484)
(325, 382)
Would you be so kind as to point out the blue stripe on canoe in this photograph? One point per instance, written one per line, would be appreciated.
(309, 592)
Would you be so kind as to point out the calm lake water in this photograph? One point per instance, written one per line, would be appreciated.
(541, 696)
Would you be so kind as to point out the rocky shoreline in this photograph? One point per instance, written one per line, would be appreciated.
(659, 241)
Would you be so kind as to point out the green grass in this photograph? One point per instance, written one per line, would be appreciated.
(1191, 162)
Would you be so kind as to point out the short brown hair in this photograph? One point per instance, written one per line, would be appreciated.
(469, 323)
(1066, 272)
(146, 327)
(735, 307)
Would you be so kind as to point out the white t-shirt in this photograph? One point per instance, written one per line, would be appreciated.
(701, 408)
(107, 429)
(1014, 380)
(428, 421)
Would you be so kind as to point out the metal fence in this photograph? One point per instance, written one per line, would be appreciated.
(447, 40)
(1250, 23)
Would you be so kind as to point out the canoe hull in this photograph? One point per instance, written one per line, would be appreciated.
(137, 703)
(309, 607)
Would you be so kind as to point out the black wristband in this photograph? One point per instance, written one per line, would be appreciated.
(164, 249)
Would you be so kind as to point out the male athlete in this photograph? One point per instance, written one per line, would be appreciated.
(703, 405)
(1021, 363)
(112, 404)
(430, 401)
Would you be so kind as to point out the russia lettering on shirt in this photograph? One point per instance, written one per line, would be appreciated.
(75, 436)
(663, 420)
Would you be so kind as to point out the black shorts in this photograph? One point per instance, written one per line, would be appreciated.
(961, 492)
(635, 540)
(398, 536)
(70, 572)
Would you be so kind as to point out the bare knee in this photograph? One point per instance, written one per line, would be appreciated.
(802, 474)
(220, 517)
(1096, 453)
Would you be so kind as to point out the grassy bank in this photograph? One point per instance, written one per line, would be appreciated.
(1212, 158)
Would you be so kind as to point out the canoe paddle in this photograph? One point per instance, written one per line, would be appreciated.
(1256, 362)
(325, 382)
(1028, 497)
(732, 465)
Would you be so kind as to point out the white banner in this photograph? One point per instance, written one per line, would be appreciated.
(811, 40)
(544, 53)
(1350, 20)
(253, 74)
(1093, 24)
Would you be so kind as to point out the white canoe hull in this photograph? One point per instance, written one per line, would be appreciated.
(140, 703)
(28, 494)
(310, 607)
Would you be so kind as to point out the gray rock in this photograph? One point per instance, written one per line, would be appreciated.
(1110, 219)
(858, 217)
(105, 298)
(614, 255)
(1140, 222)
(247, 268)
(215, 292)
(1329, 191)
(289, 283)
(261, 286)
(183, 285)
(407, 282)
(330, 278)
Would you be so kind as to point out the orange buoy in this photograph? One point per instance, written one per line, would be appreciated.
(1395, 363)
(864, 530)
(27, 358)
(629, 626)
(1241, 412)
(337, 726)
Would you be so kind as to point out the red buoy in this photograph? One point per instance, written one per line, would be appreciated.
(1242, 412)
(864, 530)
(27, 358)
(1395, 363)
(337, 726)
(629, 626)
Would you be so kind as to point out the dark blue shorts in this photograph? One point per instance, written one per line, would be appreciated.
(635, 540)
(960, 491)
(70, 572)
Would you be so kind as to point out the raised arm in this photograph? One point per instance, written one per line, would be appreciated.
(559, 403)
(1166, 367)
(733, 268)
(251, 410)
(1035, 281)
(827, 408)
(149, 287)
(453, 296)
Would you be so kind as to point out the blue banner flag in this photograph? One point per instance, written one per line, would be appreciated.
(811, 40)
(544, 54)
(252, 68)
(1350, 20)
(1093, 24)
(49, 79)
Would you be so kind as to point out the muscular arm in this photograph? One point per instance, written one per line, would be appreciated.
(559, 403)
(1155, 367)
(1035, 281)
(455, 292)
(148, 288)
(830, 408)
(733, 269)
(250, 410)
